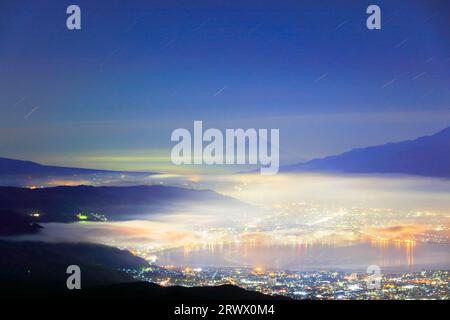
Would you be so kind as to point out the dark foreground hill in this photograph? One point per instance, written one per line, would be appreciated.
(13, 223)
(30, 267)
(37, 271)
(150, 291)
(424, 156)
(68, 204)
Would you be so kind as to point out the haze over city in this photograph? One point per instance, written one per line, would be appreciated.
(88, 115)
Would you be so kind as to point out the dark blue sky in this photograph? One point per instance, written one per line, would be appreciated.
(110, 94)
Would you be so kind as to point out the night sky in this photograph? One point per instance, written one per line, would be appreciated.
(109, 95)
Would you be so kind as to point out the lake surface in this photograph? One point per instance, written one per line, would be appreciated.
(354, 257)
(149, 239)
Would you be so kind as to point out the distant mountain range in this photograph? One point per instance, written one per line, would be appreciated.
(22, 173)
(29, 168)
(424, 156)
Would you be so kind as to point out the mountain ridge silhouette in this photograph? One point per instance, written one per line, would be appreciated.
(423, 156)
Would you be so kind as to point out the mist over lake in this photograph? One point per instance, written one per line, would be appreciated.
(300, 222)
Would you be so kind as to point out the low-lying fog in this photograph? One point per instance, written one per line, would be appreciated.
(290, 210)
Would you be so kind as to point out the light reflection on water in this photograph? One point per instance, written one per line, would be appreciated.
(174, 246)
(402, 247)
(395, 256)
